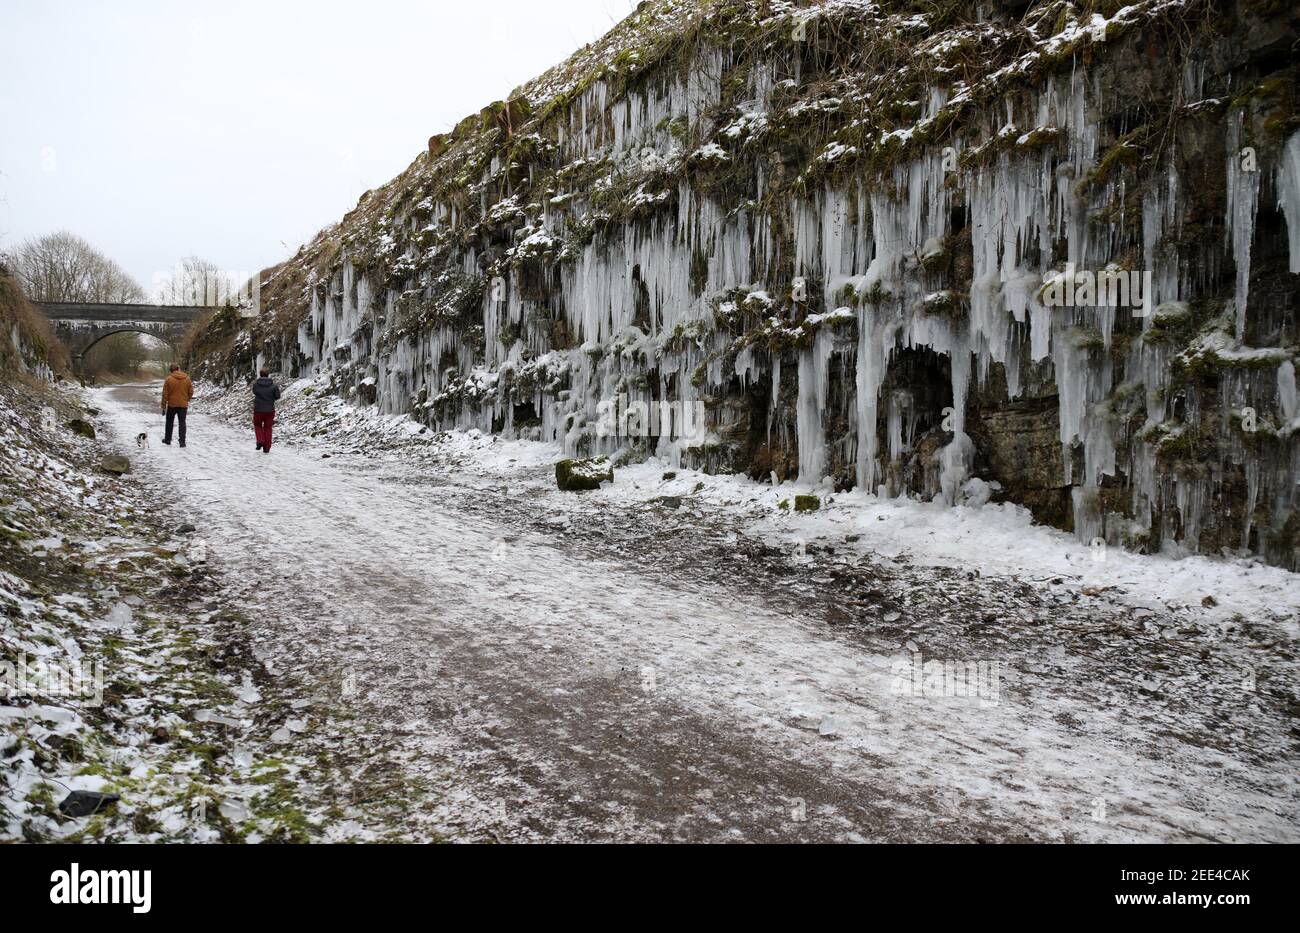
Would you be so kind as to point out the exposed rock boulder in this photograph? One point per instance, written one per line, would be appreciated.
(115, 464)
(86, 803)
(807, 503)
(578, 475)
(82, 427)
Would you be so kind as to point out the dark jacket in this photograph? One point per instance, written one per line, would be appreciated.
(265, 392)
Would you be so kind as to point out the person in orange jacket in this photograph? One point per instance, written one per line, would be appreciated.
(176, 395)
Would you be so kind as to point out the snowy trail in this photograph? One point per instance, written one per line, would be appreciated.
(601, 702)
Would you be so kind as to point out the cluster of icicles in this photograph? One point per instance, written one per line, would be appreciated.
(858, 241)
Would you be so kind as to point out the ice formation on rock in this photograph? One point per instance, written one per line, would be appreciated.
(867, 321)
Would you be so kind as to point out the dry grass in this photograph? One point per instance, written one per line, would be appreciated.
(194, 336)
(205, 350)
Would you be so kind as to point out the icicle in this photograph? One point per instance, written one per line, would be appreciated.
(813, 372)
(955, 465)
(1286, 392)
(875, 342)
(775, 401)
(1252, 495)
(1242, 200)
(1159, 212)
(1288, 195)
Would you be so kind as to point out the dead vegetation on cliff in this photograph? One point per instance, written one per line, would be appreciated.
(27, 342)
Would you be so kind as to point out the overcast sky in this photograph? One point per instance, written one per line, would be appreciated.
(235, 130)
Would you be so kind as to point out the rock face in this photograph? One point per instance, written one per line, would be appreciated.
(1055, 250)
(27, 343)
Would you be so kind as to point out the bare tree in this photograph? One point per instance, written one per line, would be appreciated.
(64, 267)
(198, 283)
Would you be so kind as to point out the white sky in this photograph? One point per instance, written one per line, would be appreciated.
(235, 130)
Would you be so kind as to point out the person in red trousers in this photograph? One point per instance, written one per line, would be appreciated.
(265, 393)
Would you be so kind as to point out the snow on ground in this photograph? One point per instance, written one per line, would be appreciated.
(83, 627)
(122, 668)
(654, 660)
(997, 539)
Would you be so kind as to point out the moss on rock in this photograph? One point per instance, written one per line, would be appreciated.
(575, 475)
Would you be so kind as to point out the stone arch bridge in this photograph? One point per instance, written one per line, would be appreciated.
(81, 325)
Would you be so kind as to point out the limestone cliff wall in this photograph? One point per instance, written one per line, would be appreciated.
(1042, 251)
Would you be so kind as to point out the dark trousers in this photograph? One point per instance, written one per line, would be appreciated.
(262, 421)
(175, 414)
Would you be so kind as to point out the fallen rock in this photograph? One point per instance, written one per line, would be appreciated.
(115, 464)
(577, 475)
(87, 802)
(84, 428)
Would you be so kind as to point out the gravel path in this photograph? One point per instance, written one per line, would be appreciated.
(657, 676)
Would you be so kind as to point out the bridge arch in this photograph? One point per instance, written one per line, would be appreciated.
(81, 354)
(81, 325)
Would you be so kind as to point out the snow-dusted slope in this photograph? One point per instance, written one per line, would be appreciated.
(125, 672)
